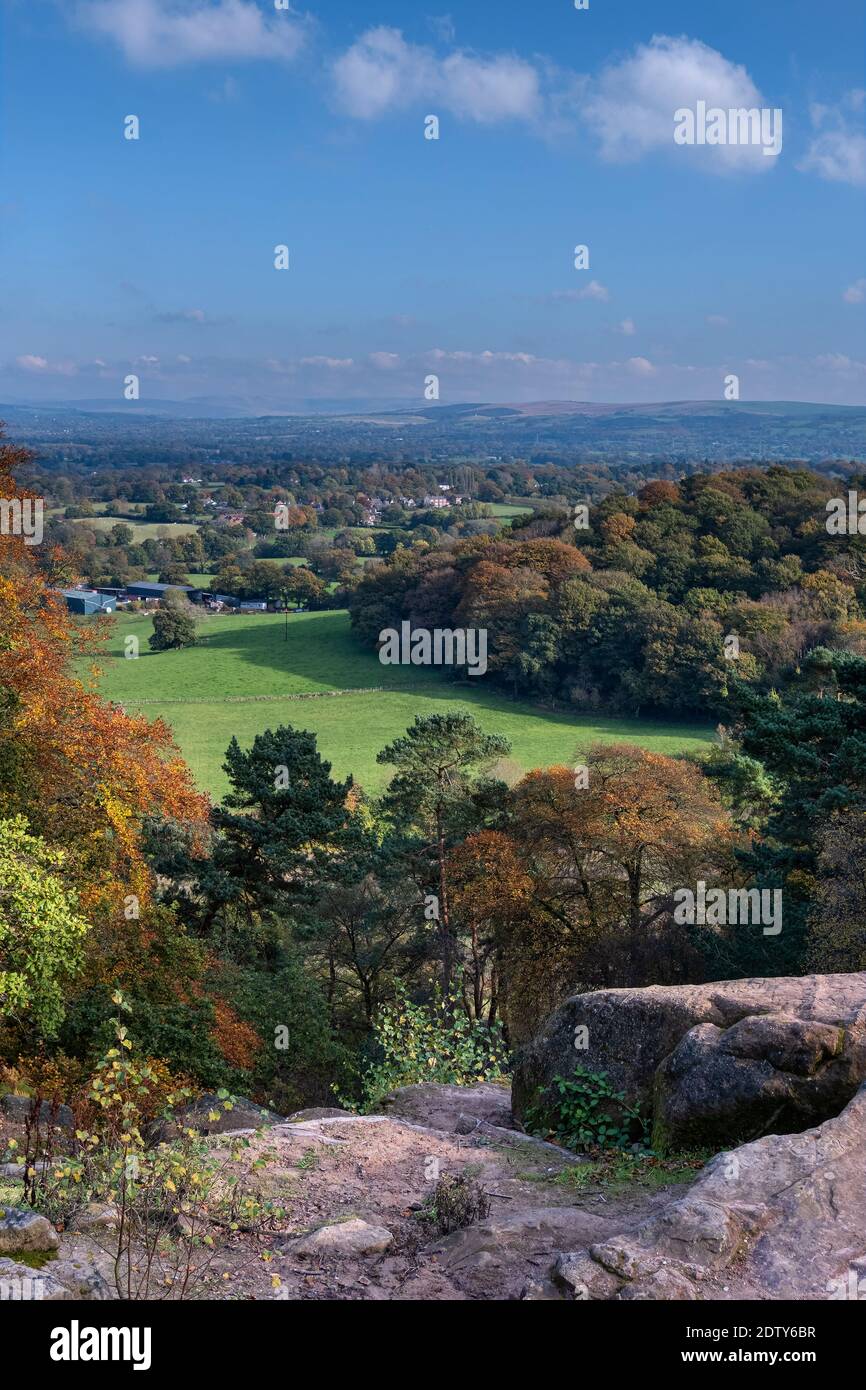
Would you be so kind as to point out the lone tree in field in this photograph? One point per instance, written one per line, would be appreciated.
(173, 623)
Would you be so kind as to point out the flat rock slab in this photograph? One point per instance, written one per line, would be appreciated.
(445, 1107)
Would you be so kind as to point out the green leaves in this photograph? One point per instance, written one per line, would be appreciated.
(41, 931)
(584, 1112)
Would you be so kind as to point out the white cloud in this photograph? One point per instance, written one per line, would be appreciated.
(627, 327)
(631, 104)
(382, 72)
(167, 33)
(839, 362)
(387, 361)
(641, 366)
(31, 362)
(717, 320)
(333, 364)
(837, 151)
(856, 293)
(593, 290)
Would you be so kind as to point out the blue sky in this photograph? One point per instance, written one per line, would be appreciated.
(411, 257)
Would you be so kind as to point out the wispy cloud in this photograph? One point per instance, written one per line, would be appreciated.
(382, 71)
(594, 290)
(168, 33)
(837, 150)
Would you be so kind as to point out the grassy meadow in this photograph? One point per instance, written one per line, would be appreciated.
(241, 679)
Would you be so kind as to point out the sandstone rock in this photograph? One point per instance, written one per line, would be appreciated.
(244, 1114)
(790, 1209)
(666, 1285)
(540, 1291)
(21, 1284)
(81, 1279)
(583, 1278)
(343, 1239)
(535, 1230)
(767, 1072)
(25, 1230)
(18, 1108)
(95, 1216)
(439, 1107)
(318, 1112)
(778, 1054)
(60, 1281)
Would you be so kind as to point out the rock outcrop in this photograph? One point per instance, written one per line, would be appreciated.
(780, 1218)
(715, 1064)
(239, 1113)
(454, 1109)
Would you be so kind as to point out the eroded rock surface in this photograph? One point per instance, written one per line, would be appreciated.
(783, 1217)
(451, 1108)
(713, 1064)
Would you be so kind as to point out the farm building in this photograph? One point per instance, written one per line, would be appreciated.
(87, 601)
(155, 591)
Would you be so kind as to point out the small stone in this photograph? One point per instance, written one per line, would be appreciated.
(466, 1124)
(541, 1291)
(345, 1239)
(579, 1274)
(95, 1216)
(25, 1230)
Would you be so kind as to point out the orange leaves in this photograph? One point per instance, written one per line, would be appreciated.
(238, 1042)
(83, 772)
(489, 879)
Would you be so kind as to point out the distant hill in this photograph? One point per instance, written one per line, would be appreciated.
(618, 435)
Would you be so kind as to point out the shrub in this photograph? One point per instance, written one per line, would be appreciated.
(175, 1205)
(585, 1112)
(457, 1201)
(431, 1042)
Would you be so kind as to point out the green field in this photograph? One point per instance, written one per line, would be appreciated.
(506, 510)
(238, 680)
(141, 530)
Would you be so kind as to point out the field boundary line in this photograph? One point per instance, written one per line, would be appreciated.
(272, 699)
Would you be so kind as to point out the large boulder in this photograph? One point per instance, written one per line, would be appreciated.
(19, 1109)
(24, 1230)
(712, 1064)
